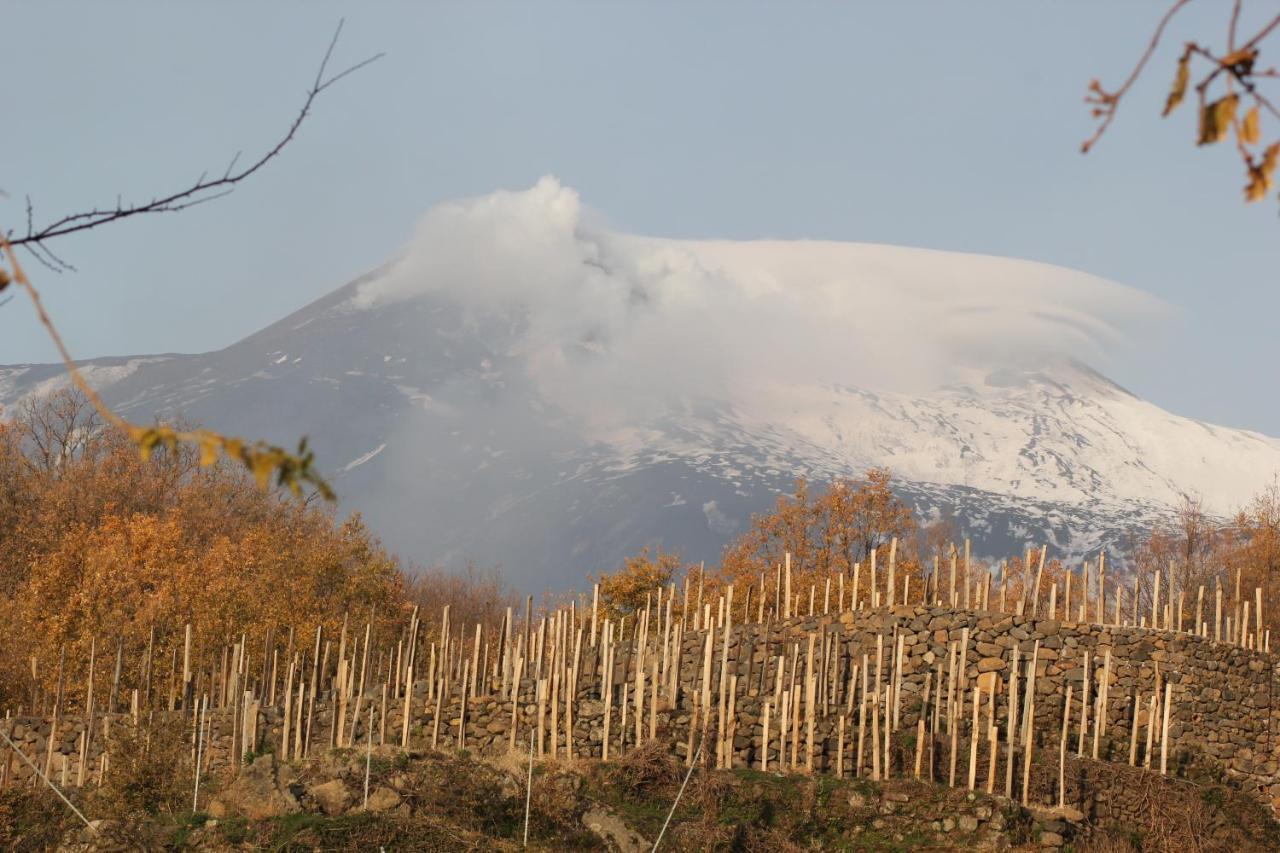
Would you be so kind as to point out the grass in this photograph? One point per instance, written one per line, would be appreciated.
(452, 801)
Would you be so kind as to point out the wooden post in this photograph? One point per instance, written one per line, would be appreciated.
(893, 554)
(875, 730)
(595, 611)
(1035, 603)
(1136, 704)
(1102, 587)
(1084, 702)
(786, 589)
(952, 591)
(1217, 611)
(840, 748)
(1164, 729)
(993, 738)
(1257, 591)
(1195, 629)
(973, 738)
(606, 689)
(1155, 601)
(897, 681)
(1027, 746)
(1062, 751)
(764, 737)
(920, 726)
(862, 719)
(1151, 729)
(953, 725)
(811, 683)
(288, 711)
(186, 667)
(874, 595)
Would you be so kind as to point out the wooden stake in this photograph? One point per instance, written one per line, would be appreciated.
(973, 738)
(1062, 750)
(1164, 729)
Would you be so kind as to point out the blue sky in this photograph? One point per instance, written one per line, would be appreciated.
(945, 125)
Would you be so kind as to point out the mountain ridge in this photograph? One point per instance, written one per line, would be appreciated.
(522, 387)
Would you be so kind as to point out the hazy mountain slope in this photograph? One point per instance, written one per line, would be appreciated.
(634, 390)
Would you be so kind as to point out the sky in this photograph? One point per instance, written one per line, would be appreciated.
(950, 126)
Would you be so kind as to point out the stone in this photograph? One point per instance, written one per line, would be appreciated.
(990, 664)
(382, 799)
(255, 793)
(1051, 839)
(333, 796)
(968, 823)
(613, 831)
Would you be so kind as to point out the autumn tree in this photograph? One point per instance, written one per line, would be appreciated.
(101, 548)
(474, 595)
(626, 590)
(826, 534)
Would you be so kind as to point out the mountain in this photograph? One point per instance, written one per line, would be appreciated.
(526, 386)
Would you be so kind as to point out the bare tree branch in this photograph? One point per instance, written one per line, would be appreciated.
(1234, 112)
(1109, 101)
(203, 190)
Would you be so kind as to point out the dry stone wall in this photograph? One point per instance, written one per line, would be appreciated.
(840, 706)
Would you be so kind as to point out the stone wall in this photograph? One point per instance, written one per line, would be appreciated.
(1222, 709)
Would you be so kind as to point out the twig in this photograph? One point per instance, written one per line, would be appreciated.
(1262, 33)
(261, 459)
(204, 189)
(1110, 101)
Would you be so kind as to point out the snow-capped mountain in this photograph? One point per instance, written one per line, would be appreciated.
(526, 386)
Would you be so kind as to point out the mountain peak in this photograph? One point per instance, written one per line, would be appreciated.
(525, 386)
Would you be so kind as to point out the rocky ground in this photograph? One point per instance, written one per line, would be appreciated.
(438, 801)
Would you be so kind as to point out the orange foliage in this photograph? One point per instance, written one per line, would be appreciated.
(827, 534)
(100, 545)
(626, 590)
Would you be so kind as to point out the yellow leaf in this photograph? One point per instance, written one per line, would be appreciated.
(1215, 119)
(1179, 89)
(208, 451)
(1244, 57)
(1259, 183)
(1249, 129)
(147, 444)
(1270, 158)
(262, 464)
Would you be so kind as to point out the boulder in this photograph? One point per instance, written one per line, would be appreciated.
(255, 793)
(382, 799)
(333, 796)
(615, 834)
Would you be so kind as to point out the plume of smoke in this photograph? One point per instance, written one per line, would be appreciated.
(616, 326)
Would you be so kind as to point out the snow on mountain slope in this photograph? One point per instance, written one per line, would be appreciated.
(525, 385)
